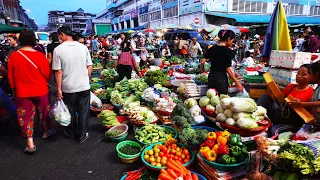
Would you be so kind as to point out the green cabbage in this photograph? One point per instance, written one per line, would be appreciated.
(204, 101)
(243, 105)
(209, 107)
(215, 100)
(246, 123)
(189, 103)
(211, 93)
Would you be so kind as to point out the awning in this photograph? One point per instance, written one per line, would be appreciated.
(9, 29)
(256, 18)
(126, 30)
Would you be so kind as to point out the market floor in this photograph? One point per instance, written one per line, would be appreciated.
(61, 158)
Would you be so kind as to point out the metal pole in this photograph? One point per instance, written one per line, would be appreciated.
(178, 12)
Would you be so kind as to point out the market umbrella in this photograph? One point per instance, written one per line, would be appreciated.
(149, 31)
(277, 35)
(10, 29)
(131, 31)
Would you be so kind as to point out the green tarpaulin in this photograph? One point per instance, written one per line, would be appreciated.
(9, 29)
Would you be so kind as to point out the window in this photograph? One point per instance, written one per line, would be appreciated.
(170, 12)
(314, 10)
(249, 6)
(155, 16)
(294, 9)
(144, 18)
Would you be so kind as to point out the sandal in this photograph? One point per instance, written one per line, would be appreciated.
(51, 133)
(30, 151)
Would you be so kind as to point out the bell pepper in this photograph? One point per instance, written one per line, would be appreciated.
(215, 147)
(209, 143)
(242, 157)
(222, 149)
(222, 140)
(235, 139)
(225, 133)
(211, 136)
(211, 155)
(235, 151)
(218, 134)
(233, 160)
(224, 159)
(203, 150)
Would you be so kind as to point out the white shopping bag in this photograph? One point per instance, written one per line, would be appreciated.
(60, 113)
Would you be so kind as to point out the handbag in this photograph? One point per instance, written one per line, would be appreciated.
(33, 65)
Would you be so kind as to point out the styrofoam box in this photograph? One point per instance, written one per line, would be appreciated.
(290, 60)
(283, 77)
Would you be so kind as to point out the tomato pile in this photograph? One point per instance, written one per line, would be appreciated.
(159, 155)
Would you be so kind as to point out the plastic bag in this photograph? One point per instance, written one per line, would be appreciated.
(243, 94)
(60, 113)
(95, 101)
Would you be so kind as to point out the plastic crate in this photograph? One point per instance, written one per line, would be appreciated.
(254, 78)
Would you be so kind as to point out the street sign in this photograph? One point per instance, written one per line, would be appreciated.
(196, 20)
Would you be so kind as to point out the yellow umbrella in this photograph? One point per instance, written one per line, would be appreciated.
(131, 31)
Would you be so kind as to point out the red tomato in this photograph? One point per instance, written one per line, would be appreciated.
(165, 150)
(186, 160)
(161, 154)
(171, 155)
(180, 159)
(175, 158)
(168, 155)
(185, 151)
(174, 146)
(188, 157)
(161, 147)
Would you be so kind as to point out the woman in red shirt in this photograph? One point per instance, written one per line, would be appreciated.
(301, 91)
(28, 73)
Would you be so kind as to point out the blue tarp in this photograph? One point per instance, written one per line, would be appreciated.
(256, 18)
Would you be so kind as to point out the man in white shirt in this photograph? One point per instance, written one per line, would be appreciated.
(73, 66)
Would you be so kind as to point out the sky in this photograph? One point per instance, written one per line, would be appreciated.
(38, 9)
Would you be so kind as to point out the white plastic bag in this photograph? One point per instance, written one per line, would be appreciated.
(243, 94)
(95, 101)
(60, 113)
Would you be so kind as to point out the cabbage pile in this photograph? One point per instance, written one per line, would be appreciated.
(193, 107)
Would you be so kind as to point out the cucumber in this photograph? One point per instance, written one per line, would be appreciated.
(162, 140)
(161, 133)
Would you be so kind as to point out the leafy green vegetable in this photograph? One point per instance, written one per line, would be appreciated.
(95, 80)
(156, 77)
(116, 97)
(94, 87)
(108, 72)
(97, 66)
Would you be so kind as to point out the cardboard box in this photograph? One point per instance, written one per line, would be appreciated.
(289, 60)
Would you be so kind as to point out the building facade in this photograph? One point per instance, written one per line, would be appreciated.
(128, 14)
(12, 13)
(75, 19)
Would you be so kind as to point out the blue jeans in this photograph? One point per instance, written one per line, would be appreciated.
(5, 103)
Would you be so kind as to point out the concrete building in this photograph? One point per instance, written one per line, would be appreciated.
(128, 14)
(12, 13)
(75, 19)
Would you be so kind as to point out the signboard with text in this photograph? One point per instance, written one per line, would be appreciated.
(190, 6)
(216, 5)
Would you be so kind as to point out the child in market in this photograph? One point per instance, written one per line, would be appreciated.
(315, 100)
(302, 91)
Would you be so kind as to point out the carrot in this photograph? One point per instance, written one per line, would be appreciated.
(174, 168)
(189, 174)
(179, 165)
(172, 173)
(165, 177)
(163, 171)
(195, 177)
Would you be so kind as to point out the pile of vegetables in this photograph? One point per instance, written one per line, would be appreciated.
(108, 72)
(141, 174)
(97, 66)
(150, 133)
(202, 78)
(176, 60)
(181, 116)
(160, 155)
(111, 134)
(95, 87)
(176, 170)
(116, 98)
(100, 93)
(286, 176)
(96, 79)
(137, 86)
(223, 148)
(110, 63)
(192, 106)
(108, 118)
(129, 149)
(156, 77)
(140, 114)
(241, 112)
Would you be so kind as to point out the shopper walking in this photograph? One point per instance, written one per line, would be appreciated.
(194, 48)
(55, 43)
(73, 66)
(125, 64)
(29, 72)
(242, 47)
(95, 45)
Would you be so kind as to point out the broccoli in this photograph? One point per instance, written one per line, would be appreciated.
(202, 134)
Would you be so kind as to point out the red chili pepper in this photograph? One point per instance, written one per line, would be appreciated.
(223, 149)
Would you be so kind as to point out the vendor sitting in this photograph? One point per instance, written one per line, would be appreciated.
(248, 61)
(166, 52)
(156, 61)
(184, 51)
(302, 91)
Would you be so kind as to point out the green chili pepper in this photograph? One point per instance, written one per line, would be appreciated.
(235, 139)
(233, 160)
(224, 159)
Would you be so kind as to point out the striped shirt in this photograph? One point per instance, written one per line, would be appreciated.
(126, 58)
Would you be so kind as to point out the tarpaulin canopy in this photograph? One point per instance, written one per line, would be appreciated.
(9, 29)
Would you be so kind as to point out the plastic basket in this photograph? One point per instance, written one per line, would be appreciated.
(224, 167)
(175, 133)
(124, 143)
(192, 155)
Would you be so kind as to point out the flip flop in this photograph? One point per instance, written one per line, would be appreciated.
(30, 151)
(51, 132)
